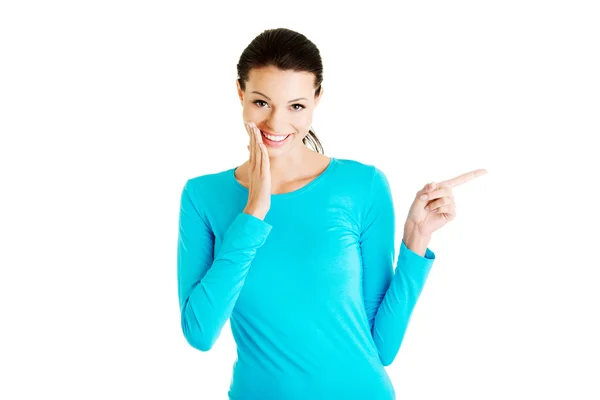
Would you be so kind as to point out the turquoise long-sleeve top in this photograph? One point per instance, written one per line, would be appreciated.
(316, 305)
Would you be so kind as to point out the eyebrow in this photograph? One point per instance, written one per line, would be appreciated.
(262, 94)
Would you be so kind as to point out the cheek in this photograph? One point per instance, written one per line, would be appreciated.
(247, 113)
(303, 122)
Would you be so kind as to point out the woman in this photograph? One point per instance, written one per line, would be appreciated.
(297, 248)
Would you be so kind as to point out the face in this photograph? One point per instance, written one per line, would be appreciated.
(280, 103)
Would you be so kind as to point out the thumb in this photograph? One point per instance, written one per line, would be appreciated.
(430, 186)
(426, 188)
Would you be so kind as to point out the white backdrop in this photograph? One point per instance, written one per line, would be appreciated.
(107, 108)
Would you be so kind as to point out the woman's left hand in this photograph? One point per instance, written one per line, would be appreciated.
(434, 205)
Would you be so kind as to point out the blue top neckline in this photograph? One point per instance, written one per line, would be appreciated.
(305, 188)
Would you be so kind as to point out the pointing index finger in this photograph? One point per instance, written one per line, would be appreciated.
(464, 178)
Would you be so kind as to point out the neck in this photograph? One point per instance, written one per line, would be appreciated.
(291, 166)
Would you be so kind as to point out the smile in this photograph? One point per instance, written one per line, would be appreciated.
(275, 140)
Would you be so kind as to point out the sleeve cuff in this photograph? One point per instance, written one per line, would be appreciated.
(411, 258)
(248, 229)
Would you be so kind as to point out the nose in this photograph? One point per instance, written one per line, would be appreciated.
(276, 124)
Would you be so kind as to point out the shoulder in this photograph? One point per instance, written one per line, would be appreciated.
(369, 188)
(213, 182)
(208, 180)
(361, 173)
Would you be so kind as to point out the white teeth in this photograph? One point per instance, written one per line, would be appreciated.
(275, 138)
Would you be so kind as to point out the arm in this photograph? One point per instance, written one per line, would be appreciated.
(417, 243)
(390, 296)
(209, 287)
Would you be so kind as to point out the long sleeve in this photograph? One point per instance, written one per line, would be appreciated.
(389, 296)
(209, 285)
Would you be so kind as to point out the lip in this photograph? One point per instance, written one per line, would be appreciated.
(272, 143)
(273, 134)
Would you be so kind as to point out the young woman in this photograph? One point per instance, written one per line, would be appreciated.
(296, 249)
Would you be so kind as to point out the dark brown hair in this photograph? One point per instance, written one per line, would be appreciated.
(286, 50)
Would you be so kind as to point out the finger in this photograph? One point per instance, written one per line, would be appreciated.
(464, 178)
(258, 135)
(259, 158)
(265, 159)
(439, 203)
(437, 193)
(248, 129)
(252, 160)
(449, 210)
(258, 149)
(425, 189)
(248, 132)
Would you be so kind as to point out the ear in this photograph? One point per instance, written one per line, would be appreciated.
(240, 92)
(318, 99)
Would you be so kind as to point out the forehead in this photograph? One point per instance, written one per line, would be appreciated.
(274, 82)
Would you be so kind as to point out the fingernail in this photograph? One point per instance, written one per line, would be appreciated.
(424, 197)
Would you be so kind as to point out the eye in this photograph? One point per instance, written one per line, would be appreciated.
(262, 101)
(258, 101)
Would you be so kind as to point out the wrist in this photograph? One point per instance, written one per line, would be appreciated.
(255, 213)
(416, 242)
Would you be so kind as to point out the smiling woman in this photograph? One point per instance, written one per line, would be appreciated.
(276, 117)
(300, 72)
(314, 305)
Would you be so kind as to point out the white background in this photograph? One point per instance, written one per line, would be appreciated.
(107, 108)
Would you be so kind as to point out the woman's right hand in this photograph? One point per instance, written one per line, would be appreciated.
(259, 174)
